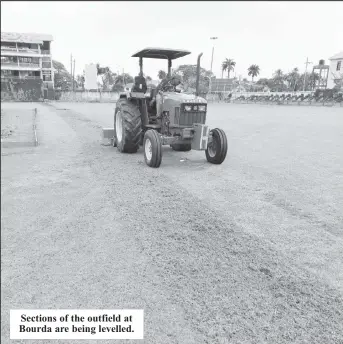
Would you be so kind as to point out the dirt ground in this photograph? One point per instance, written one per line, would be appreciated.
(17, 126)
(250, 251)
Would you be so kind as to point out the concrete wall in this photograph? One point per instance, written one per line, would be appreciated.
(248, 94)
(215, 96)
(87, 96)
(21, 90)
(333, 73)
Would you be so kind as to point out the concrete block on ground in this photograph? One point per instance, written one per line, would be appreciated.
(18, 127)
(107, 136)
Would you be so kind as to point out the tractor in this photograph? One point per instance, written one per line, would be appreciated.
(165, 116)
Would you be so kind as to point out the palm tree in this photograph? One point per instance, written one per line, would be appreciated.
(229, 65)
(292, 79)
(295, 78)
(278, 74)
(253, 70)
(278, 78)
(161, 74)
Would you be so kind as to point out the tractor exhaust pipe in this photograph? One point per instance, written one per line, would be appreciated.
(198, 75)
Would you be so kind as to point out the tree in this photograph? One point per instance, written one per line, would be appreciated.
(270, 83)
(253, 70)
(263, 82)
(62, 78)
(278, 78)
(228, 65)
(80, 80)
(58, 66)
(188, 75)
(120, 81)
(161, 74)
(108, 79)
(293, 79)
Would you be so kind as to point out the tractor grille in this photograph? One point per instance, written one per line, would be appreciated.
(188, 118)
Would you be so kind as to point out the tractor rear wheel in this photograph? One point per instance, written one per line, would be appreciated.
(152, 146)
(127, 127)
(181, 147)
(217, 149)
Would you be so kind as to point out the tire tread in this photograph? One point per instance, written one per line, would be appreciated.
(132, 126)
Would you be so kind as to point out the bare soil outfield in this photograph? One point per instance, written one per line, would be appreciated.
(250, 251)
(17, 123)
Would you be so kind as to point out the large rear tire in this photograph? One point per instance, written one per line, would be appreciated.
(181, 147)
(217, 149)
(152, 146)
(127, 126)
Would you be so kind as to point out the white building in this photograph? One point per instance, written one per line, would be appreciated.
(336, 69)
(91, 77)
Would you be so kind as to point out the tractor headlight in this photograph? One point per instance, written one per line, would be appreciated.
(188, 107)
(202, 108)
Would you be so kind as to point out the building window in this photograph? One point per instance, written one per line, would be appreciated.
(338, 65)
(46, 64)
(6, 72)
(47, 76)
(25, 59)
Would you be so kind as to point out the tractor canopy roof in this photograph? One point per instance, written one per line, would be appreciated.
(161, 53)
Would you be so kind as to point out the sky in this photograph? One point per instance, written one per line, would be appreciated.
(272, 35)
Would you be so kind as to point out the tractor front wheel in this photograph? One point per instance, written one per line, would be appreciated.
(217, 149)
(152, 146)
(127, 127)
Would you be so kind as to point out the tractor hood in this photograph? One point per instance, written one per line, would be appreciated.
(183, 98)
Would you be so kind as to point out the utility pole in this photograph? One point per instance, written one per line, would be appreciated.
(213, 38)
(306, 64)
(71, 69)
(73, 75)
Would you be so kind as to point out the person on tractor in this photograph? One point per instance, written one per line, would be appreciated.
(167, 84)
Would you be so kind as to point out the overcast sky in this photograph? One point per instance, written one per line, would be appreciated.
(271, 34)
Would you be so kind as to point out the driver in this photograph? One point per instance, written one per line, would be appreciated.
(172, 82)
(165, 85)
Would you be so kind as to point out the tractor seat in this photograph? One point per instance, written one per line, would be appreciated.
(139, 85)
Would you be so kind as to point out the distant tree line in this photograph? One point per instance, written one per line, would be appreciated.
(280, 81)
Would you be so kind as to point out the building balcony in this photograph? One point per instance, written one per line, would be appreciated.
(27, 64)
(46, 65)
(21, 66)
(9, 63)
(8, 49)
(10, 77)
(28, 50)
(23, 52)
(20, 50)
